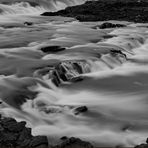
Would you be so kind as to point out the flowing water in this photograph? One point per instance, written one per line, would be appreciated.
(114, 89)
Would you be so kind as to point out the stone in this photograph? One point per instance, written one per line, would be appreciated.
(38, 140)
(80, 109)
(110, 25)
(118, 52)
(52, 49)
(69, 71)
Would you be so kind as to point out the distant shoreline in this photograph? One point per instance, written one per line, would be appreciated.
(122, 10)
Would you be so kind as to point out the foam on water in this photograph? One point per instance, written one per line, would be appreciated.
(115, 89)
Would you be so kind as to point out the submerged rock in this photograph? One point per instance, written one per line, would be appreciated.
(80, 109)
(28, 23)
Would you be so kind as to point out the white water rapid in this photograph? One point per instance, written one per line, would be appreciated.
(114, 85)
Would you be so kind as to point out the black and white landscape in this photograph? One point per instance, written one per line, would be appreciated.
(74, 77)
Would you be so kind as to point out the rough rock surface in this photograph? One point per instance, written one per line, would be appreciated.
(14, 134)
(69, 71)
(73, 143)
(104, 10)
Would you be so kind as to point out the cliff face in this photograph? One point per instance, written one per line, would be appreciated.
(125, 10)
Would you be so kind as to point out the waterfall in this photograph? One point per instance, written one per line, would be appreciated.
(35, 6)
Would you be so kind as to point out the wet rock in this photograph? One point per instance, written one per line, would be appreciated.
(104, 10)
(69, 71)
(14, 134)
(52, 49)
(12, 126)
(74, 143)
(118, 52)
(80, 109)
(110, 25)
(38, 140)
(28, 23)
(143, 145)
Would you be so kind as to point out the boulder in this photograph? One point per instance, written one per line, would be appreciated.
(69, 71)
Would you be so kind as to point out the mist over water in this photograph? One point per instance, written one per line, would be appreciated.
(114, 87)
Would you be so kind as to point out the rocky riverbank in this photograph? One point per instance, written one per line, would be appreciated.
(15, 134)
(104, 10)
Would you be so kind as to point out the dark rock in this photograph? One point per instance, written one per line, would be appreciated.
(12, 126)
(22, 138)
(28, 23)
(104, 10)
(110, 25)
(38, 140)
(118, 52)
(69, 71)
(51, 49)
(64, 138)
(80, 109)
(142, 146)
(74, 143)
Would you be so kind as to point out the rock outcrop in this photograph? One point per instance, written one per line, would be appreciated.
(14, 134)
(104, 10)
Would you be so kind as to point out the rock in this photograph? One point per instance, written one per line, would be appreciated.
(118, 52)
(104, 10)
(12, 126)
(80, 109)
(69, 71)
(110, 25)
(38, 140)
(143, 145)
(52, 49)
(74, 143)
(22, 138)
(28, 23)
(14, 134)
